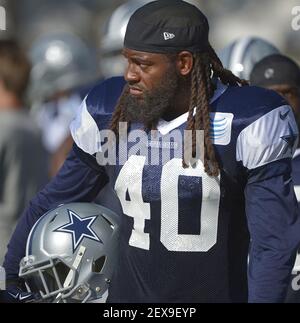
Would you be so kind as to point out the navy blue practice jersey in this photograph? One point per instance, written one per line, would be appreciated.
(182, 216)
(293, 295)
(185, 235)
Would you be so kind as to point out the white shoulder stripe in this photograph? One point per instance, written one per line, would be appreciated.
(297, 153)
(85, 131)
(297, 192)
(272, 137)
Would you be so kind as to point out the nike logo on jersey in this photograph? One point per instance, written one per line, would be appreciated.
(284, 115)
(19, 296)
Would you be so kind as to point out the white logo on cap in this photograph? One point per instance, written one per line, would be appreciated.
(168, 36)
(269, 73)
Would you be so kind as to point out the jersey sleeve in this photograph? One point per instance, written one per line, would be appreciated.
(265, 148)
(95, 114)
(272, 137)
(85, 131)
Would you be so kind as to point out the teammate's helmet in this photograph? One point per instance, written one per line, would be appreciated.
(112, 62)
(71, 253)
(60, 62)
(241, 55)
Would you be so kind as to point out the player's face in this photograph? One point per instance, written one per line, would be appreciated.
(145, 71)
(153, 84)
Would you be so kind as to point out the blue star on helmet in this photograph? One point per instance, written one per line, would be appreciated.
(79, 228)
(289, 139)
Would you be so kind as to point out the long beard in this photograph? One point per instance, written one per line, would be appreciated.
(154, 104)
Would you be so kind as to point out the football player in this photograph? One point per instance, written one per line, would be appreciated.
(186, 220)
(282, 74)
(112, 62)
(63, 71)
(241, 55)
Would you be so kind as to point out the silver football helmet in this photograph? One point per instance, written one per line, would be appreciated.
(60, 62)
(112, 62)
(71, 253)
(241, 55)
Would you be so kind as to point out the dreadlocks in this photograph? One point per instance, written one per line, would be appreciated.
(202, 90)
(206, 64)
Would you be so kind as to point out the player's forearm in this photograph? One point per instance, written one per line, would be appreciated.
(274, 225)
(268, 274)
(17, 244)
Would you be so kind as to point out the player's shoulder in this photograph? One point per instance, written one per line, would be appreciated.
(98, 105)
(245, 109)
(248, 103)
(265, 128)
(95, 114)
(255, 124)
(102, 98)
(257, 110)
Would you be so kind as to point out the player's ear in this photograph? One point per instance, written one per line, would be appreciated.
(184, 62)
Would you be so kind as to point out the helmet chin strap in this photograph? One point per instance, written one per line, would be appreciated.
(69, 277)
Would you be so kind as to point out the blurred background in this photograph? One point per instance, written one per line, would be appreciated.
(229, 19)
(73, 44)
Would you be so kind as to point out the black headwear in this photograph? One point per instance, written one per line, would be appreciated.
(275, 70)
(167, 26)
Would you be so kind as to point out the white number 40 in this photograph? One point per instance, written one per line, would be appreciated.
(130, 182)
